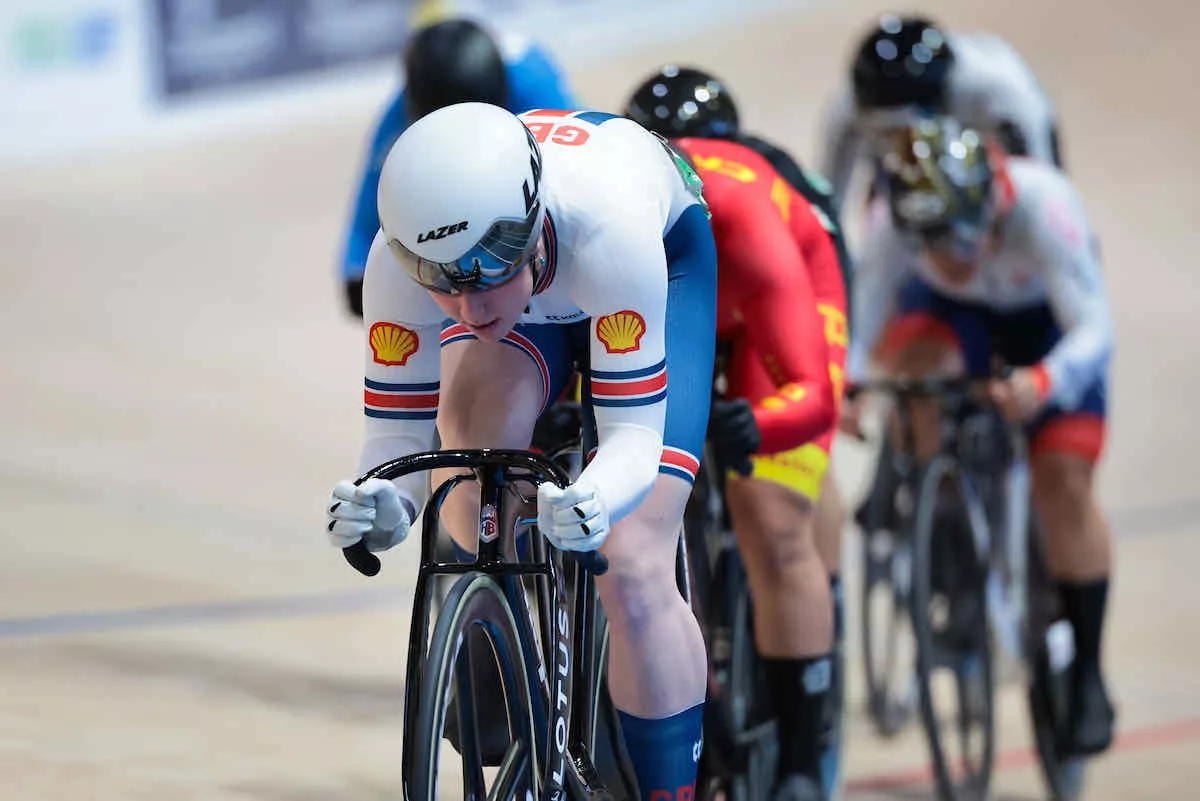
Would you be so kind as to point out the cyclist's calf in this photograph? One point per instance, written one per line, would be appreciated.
(1077, 541)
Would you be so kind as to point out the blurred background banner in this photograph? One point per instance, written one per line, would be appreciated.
(69, 69)
(201, 45)
(97, 76)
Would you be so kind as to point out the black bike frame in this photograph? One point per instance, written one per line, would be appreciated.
(566, 595)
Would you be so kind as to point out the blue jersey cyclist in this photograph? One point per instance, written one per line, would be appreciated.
(451, 61)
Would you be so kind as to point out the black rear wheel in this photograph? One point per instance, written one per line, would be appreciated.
(477, 634)
(949, 613)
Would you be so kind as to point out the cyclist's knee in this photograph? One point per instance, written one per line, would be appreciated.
(641, 551)
(922, 356)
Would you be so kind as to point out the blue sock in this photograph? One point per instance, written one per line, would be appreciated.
(665, 753)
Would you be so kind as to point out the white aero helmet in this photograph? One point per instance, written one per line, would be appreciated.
(459, 198)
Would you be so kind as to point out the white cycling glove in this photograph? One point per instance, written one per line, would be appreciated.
(374, 510)
(573, 519)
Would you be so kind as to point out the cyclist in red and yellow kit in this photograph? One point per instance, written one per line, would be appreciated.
(781, 327)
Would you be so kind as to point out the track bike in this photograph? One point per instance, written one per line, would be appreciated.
(741, 748)
(966, 563)
(527, 617)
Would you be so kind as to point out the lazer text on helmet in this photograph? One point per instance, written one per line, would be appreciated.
(442, 232)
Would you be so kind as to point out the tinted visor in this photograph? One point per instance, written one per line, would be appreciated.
(943, 226)
(496, 257)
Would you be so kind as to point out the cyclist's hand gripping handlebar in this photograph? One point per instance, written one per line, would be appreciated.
(541, 468)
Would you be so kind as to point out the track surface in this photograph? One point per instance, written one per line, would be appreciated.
(180, 392)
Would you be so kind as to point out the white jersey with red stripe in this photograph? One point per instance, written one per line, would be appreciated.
(990, 88)
(612, 191)
(1044, 255)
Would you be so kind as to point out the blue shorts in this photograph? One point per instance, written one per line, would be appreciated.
(1020, 338)
(561, 350)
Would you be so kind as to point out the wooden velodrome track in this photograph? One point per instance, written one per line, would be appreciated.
(180, 390)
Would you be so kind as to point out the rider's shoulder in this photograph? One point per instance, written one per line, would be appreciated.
(974, 46)
(1047, 205)
(1036, 183)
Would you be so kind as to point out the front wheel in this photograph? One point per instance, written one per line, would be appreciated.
(949, 614)
(476, 635)
(887, 641)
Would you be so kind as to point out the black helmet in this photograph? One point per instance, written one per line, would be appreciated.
(902, 61)
(680, 101)
(940, 181)
(454, 61)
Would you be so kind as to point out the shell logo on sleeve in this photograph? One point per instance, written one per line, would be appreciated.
(621, 332)
(392, 344)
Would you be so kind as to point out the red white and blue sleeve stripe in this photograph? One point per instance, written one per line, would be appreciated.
(401, 401)
(624, 388)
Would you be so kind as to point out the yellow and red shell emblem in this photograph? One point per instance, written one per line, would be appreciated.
(621, 332)
(392, 344)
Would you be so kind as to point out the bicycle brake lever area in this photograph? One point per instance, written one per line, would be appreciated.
(593, 562)
(361, 559)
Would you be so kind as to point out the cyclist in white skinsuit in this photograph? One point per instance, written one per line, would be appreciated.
(511, 252)
(905, 64)
(983, 255)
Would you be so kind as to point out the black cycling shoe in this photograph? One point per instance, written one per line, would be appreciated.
(798, 787)
(1092, 718)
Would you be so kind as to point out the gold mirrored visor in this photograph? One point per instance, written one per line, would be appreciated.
(496, 257)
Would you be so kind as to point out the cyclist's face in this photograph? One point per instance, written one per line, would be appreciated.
(490, 314)
(951, 268)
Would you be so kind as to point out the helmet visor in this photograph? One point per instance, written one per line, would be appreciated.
(943, 225)
(497, 257)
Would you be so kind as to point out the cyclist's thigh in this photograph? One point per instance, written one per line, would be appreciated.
(493, 392)
(929, 326)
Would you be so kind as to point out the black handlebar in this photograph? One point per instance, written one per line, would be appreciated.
(925, 387)
(538, 468)
(928, 386)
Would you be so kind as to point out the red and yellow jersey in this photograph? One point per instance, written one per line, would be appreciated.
(781, 297)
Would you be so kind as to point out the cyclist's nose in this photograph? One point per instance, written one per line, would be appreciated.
(474, 307)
